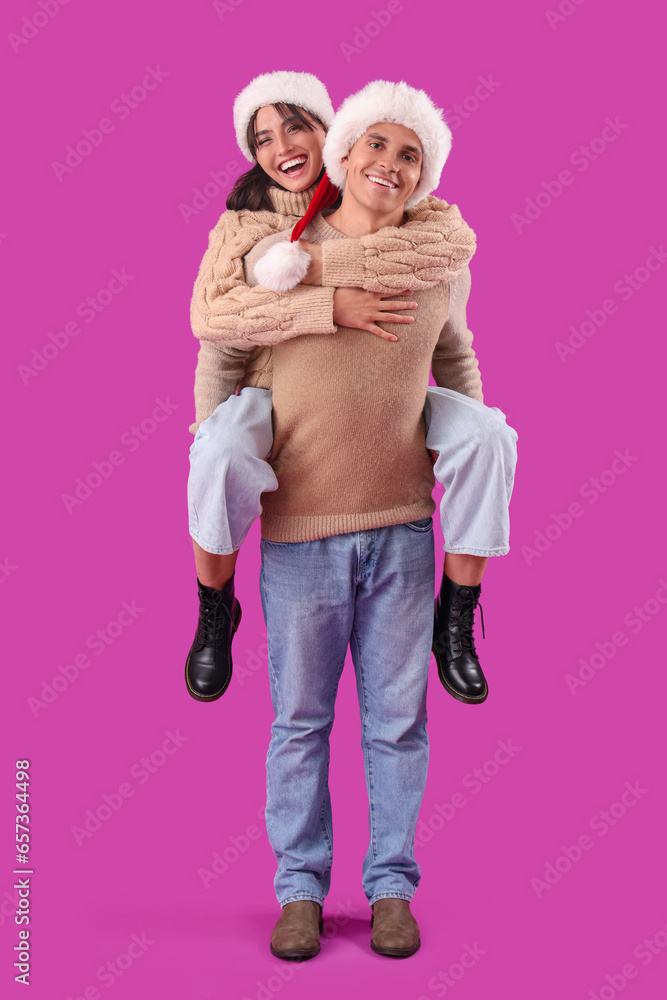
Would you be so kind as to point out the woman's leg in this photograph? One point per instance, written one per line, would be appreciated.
(228, 473)
(465, 570)
(475, 459)
(212, 570)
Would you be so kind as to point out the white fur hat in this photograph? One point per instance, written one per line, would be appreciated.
(381, 101)
(302, 89)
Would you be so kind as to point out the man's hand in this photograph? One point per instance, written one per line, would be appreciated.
(314, 273)
(354, 307)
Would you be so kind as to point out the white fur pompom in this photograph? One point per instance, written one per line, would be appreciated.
(282, 267)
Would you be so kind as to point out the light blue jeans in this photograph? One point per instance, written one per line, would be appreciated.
(372, 590)
(476, 461)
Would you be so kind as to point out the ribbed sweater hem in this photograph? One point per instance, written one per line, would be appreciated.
(310, 527)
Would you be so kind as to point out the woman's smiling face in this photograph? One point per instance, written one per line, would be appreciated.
(287, 151)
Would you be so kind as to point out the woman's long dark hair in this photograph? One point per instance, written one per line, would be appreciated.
(251, 190)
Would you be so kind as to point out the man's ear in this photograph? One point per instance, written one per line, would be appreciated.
(344, 162)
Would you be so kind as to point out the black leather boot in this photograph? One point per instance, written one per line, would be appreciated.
(453, 644)
(208, 668)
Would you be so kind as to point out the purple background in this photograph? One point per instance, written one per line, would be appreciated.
(552, 85)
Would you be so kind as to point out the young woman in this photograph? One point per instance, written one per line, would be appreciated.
(281, 121)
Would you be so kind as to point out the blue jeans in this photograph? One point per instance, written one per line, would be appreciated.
(476, 461)
(371, 590)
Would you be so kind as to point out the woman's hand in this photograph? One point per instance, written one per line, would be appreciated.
(361, 310)
(314, 273)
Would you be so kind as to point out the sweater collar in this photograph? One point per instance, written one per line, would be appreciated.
(324, 230)
(327, 232)
(291, 202)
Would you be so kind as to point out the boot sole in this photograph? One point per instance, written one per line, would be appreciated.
(457, 694)
(295, 954)
(218, 694)
(396, 952)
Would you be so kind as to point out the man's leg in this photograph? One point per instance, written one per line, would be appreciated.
(475, 462)
(307, 591)
(227, 476)
(391, 647)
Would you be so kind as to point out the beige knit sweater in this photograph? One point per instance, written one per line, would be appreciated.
(349, 437)
(231, 318)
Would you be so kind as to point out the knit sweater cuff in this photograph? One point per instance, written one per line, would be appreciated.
(311, 312)
(343, 263)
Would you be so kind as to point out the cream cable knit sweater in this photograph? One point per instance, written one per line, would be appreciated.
(349, 437)
(231, 318)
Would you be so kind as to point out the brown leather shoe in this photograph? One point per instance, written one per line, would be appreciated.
(395, 930)
(297, 933)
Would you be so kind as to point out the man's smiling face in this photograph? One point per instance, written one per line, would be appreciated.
(383, 167)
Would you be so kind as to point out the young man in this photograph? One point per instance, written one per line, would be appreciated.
(347, 541)
(234, 433)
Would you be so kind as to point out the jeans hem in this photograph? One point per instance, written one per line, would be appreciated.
(215, 550)
(476, 552)
(296, 897)
(389, 895)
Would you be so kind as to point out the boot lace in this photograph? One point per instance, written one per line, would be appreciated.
(212, 619)
(465, 604)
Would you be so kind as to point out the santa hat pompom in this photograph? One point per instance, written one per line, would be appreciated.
(282, 267)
